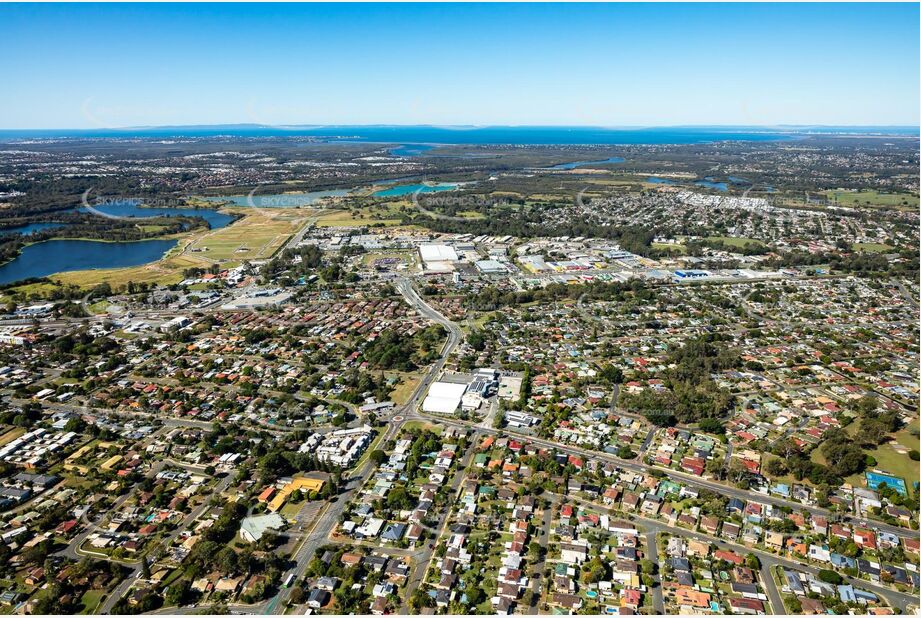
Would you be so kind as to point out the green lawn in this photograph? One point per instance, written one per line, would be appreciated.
(897, 464)
(662, 246)
(872, 247)
(408, 425)
(852, 199)
(90, 600)
(291, 509)
(734, 241)
(908, 437)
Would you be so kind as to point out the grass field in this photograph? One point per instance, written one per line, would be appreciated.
(258, 235)
(887, 458)
(345, 218)
(406, 257)
(290, 510)
(99, 306)
(408, 425)
(734, 241)
(90, 600)
(896, 464)
(29, 290)
(872, 247)
(661, 246)
(386, 214)
(11, 435)
(404, 390)
(853, 199)
(908, 437)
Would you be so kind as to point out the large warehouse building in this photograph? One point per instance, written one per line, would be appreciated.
(438, 257)
(444, 397)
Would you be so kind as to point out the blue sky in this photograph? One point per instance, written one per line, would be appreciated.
(110, 65)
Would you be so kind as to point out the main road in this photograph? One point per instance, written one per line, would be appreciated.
(324, 526)
(404, 286)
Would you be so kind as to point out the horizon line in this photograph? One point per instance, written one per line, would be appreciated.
(461, 126)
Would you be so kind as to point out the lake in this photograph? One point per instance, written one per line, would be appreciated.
(133, 208)
(408, 189)
(55, 256)
(710, 183)
(280, 200)
(575, 164)
(410, 150)
(30, 228)
(661, 181)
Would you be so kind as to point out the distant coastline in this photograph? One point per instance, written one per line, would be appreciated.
(455, 135)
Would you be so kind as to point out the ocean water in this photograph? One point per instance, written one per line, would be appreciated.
(429, 135)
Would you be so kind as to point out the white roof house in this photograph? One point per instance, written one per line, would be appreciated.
(444, 397)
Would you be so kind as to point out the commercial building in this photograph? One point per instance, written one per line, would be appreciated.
(444, 397)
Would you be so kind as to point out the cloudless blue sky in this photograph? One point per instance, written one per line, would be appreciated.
(113, 65)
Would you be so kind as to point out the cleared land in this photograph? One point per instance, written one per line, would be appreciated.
(341, 218)
(872, 247)
(404, 390)
(734, 241)
(853, 199)
(258, 235)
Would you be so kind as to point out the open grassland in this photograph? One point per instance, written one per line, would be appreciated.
(345, 218)
(29, 290)
(874, 199)
(386, 214)
(674, 248)
(872, 247)
(258, 235)
(734, 241)
(410, 425)
(405, 388)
